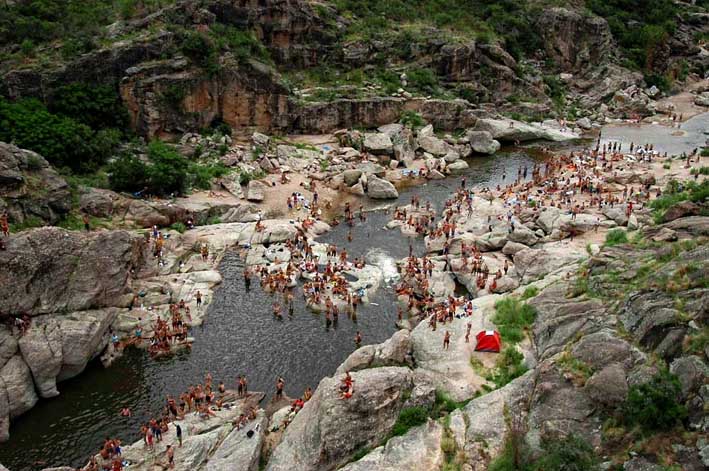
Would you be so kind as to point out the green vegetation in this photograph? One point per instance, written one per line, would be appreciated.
(571, 453)
(409, 417)
(166, 172)
(704, 170)
(63, 141)
(29, 223)
(444, 404)
(616, 237)
(412, 119)
(96, 106)
(653, 21)
(529, 292)
(575, 368)
(512, 317)
(655, 405)
(676, 192)
(509, 366)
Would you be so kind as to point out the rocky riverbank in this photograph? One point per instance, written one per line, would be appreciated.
(80, 288)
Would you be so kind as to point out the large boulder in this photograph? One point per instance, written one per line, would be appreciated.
(418, 450)
(255, 191)
(30, 187)
(41, 348)
(396, 351)
(482, 142)
(378, 143)
(608, 386)
(49, 269)
(16, 385)
(509, 130)
(692, 373)
(433, 145)
(329, 429)
(378, 188)
(239, 450)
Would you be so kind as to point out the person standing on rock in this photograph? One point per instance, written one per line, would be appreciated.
(4, 225)
(280, 384)
(446, 340)
(178, 433)
(170, 456)
(87, 224)
(358, 339)
(198, 297)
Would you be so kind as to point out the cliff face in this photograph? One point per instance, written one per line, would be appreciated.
(167, 93)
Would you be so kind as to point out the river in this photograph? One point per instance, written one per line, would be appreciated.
(240, 336)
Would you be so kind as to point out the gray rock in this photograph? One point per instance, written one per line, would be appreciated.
(584, 123)
(482, 142)
(435, 175)
(641, 464)
(458, 166)
(329, 430)
(616, 214)
(41, 348)
(8, 345)
(378, 188)
(58, 270)
(691, 371)
(16, 384)
(511, 248)
(396, 351)
(523, 235)
(255, 191)
(417, 450)
(549, 219)
(351, 176)
(260, 140)
(608, 386)
(378, 143)
(702, 99)
(433, 145)
(603, 348)
(238, 451)
(30, 187)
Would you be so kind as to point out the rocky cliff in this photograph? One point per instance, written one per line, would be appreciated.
(169, 91)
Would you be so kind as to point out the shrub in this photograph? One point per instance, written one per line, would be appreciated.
(512, 317)
(201, 50)
(424, 80)
(615, 237)
(201, 176)
(167, 172)
(509, 366)
(60, 140)
(179, 227)
(409, 417)
(127, 173)
(412, 119)
(571, 453)
(700, 171)
(529, 292)
(97, 106)
(655, 405)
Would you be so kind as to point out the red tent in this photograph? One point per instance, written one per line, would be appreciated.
(488, 341)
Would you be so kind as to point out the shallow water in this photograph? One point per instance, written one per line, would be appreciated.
(240, 336)
(689, 136)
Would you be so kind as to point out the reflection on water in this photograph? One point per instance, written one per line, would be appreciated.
(674, 141)
(240, 336)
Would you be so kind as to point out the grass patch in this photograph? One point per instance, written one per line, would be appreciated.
(578, 370)
(509, 366)
(655, 405)
(409, 417)
(699, 171)
(616, 237)
(529, 292)
(444, 404)
(677, 192)
(30, 222)
(512, 317)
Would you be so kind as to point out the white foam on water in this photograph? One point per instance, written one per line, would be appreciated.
(385, 262)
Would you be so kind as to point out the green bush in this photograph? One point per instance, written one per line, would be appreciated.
(616, 237)
(655, 405)
(167, 172)
(423, 80)
(409, 417)
(529, 292)
(700, 171)
(654, 21)
(243, 44)
(571, 453)
(201, 176)
(179, 227)
(127, 173)
(201, 50)
(509, 366)
(412, 119)
(97, 106)
(511, 317)
(676, 192)
(60, 140)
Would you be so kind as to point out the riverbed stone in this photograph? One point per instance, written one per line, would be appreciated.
(238, 450)
(482, 142)
(329, 430)
(378, 143)
(255, 191)
(378, 188)
(16, 383)
(433, 145)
